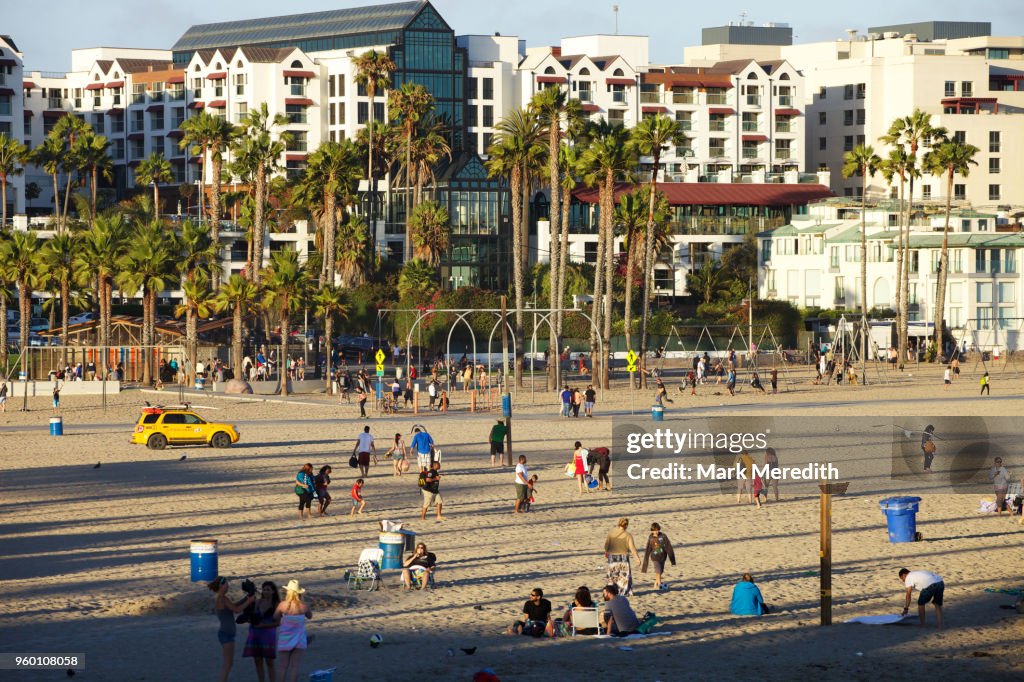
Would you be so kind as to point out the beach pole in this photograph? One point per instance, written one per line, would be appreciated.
(506, 397)
(826, 554)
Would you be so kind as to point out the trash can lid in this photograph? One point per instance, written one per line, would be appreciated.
(902, 502)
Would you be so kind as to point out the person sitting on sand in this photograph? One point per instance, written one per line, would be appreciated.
(536, 615)
(421, 561)
(747, 599)
(583, 599)
(619, 618)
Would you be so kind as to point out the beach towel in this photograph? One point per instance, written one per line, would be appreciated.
(638, 635)
(1000, 590)
(888, 619)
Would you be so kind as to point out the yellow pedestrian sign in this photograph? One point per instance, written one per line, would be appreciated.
(380, 356)
(631, 361)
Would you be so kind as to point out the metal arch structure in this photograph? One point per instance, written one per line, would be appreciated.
(462, 313)
(490, 340)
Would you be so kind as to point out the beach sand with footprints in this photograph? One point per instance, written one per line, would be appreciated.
(95, 560)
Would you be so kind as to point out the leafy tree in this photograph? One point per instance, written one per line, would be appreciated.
(153, 171)
(286, 285)
(57, 263)
(431, 230)
(373, 72)
(12, 158)
(238, 295)
(330, 302)
(19, 261)
(407, 105)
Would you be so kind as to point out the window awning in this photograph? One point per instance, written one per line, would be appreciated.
(295, 156)
(590, 107)
(299, 101)
(54, 113)
(6, 91)
(29, 85)
(550, 79)
(136, 136)
(218, 104)
(8, 62)
(299, 74)
(28, 113)
(115, 84)
(95, 86)
(619, 81)
(721, 110)
(217, 76)
(176, 133)
(755, 138)
(114, 111)
(155, 107)
(196, 105)
(654, 110)
(176, 79)
(787, 112)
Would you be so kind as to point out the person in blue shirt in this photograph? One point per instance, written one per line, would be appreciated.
(747, 599)
(566, 401)
(422, 443)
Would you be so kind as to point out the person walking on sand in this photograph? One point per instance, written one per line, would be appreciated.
(226, 611)
(658, 550)
(432, 491)
(955, 364)
(947, 378)
(771, 460)
(399, 455)
(589, 396)
(364, 447)
(291, 614)
(3, 396)
(579, 462)
(522, 484)
(566, 397)
(618, 547)
(1000, 478)
(320, 483)
(497, 442)
(361, 399)
(985, 386)
(305, 488)
(358, 501)
(423, 445)
(730, 383)
(928, 446)
(56, 397)
(930, 587)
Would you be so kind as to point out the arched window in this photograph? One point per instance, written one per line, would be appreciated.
(239, 64)
(296, 64)
(751, 76)
(117, 74)
(618, 73)
(197, 69)
(550, 71)
(218, 66)
(784, 77)
(584, 71)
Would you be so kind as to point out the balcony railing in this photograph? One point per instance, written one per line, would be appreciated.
(683, 98)
(716, 151)
(584, 95)
(750, 153)
(750, 126)
(684, 124)
(716, 126)
(783, 127)
(54, 103)
(783, 154)
(619, 96)
(292, 118)
(753, 100)
(714, 98)
(138, 99)
(785, 101)
(650, 98)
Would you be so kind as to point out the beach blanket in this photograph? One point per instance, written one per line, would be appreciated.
(1000, 590)
(636, 636)
(888, 619)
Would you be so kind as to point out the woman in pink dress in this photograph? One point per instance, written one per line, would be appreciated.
(292, 614)
(579, 460)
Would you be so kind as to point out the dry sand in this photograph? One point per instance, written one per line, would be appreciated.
(95, 560)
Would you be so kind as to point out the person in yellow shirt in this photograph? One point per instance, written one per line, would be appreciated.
(744, 477)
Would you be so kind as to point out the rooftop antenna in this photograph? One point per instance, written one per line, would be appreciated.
(615, 9)
(743, 17)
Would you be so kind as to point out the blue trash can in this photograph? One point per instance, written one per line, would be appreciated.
(658, 413)
(200, 383)
(392, 545)
(203, 555)
(56, 426)
(900, 514)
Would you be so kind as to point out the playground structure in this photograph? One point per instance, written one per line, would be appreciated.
(988, 349)
(748, 354)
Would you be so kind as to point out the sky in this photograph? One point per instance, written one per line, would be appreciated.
(46, 33)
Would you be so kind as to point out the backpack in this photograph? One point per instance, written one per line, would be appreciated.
(422, 480)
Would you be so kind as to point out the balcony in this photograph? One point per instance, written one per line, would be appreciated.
(716, 126)
(750, 126)
(54, 103)
(785, 101)
(684, 124)
(750, 153)
(137, 99)
(715, 152)
(584, 95)
(783, 126)
(715, 98)
(650, 98)
(297, 90)
(619, 97)
(683, 98)
(753, 100)
(783, 154)
(176, 95)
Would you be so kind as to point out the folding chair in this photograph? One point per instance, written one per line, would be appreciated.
(586, 618)
(367, 571)
(416, 574)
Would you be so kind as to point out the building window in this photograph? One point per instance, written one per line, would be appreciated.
(861, 117)
(296, 86)
(822, 118)
(766, 250)
(993, 192)
(471, 84)
(822, 143)
(156, 120)
(960, 136)
(950, 89)
(926, 191)
(330, 86)
(840, 290)
(296, 113)
(783, 151)
(332, 115)
(487, 116)
(848, 91)
(716, 146)
(684, 119)
(960, 192)
(848, 117)
(993, 142)
(997, 53)
(993, 165)
(749, 122)
(590, 252)
(716, 123)
(848, 143)
(985, 318)
(298, 142)
(239, 79)
(966, 89)
(833, 258)
(860, 139)
(486, 141)
(862, 90)
(822, 92)
(488, 89)
(957, 260)
(984, 288)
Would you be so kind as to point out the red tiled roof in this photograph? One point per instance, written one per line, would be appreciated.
(299, 74)
(755, 138)
(217, 76)
(95, 86)
(299, 101)
(714, 193)
(787, 112)
(217, 104)
(721, 110)
(550, 79)
(619, 81)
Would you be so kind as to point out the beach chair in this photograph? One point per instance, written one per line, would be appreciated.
(367, 573)
(586, 618)
(416, 574)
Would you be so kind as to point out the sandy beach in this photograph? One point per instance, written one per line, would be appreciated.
(95, 560)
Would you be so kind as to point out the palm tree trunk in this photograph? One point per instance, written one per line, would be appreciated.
(371, 93)
(156, 201)
(24, 309)
(648, 273)
(408, 191)
(3, 209)
(628, 286)
(597, 308)
(554, 260)
(146, 339)
(65, 305)
(258, 226)
(3, 334)
(563, 259)
(215, 218)
(330, 237)
(236, 341)
(522, 245)
(609, 268)
(56, 201)
(517, 235)
(191, 347)
(864, 276)
(282, 364)
(328, 331)
(940, 285)
(905, 301)
(92, 196)
(67, 199)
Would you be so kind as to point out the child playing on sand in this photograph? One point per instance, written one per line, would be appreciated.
(357, 498)
(759, 490)
(531, 488)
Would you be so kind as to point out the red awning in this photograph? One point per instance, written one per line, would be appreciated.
(115, 111)
(54, 113)
(713, 193)
(95, 86)
(654, 110)
(176, 79)
(787, 112)
(619, 81)
(969, 100)
(550, 79)
(155, 107)
(28, 113)
(295, 156)
(6, 91)
(196, 105)
(590, 107)
(299, 101)
(721, 110)
(217, 76)
(8, 62)
(28, 85)
(755, 138)
(299, 74)
(136, 136)
(217, 104)
(115, 84)
(176, 133)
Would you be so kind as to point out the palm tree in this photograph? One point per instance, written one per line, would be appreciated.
(430, 230)
(12, 156)
(198, 303)
(92, 151)
(910, 132)
(97, 259)
(57, 263)
(607, 158)
(153, 171)
(330, 301)
(568, 161)
(631, 221)
(351, 251)
(950, 158)
(287, 286)
(239, 295)
(67, 131)
(651, 137)
(862, 160)
(19, 259)
(197, 266)
(259, 152)
(219, 133)
(709, 281)
(50, 157)
(5, 302)
(418, 280)
(408, 105)
(429, 146)
(146, 266)
(196, 140)
(332, 174)
(895, 166)
(373, 72)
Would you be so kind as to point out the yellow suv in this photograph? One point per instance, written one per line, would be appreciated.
(159, 427)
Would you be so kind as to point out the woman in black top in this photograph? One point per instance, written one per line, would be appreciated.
(320, 482)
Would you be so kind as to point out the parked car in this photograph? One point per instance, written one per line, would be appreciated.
(38, 324)
(159, 427)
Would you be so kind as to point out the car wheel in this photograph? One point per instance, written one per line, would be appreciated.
(220, 440)
(157, 441)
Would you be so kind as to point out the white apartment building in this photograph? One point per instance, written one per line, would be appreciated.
(855, 87)
(12, 118)
(815, 262)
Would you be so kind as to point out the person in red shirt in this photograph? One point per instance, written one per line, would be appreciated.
(358, 502)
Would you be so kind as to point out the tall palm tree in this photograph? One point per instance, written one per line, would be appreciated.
(287, 286)
(429, 146)
(239, 295)
(407, 105)
(373, 72)
(50, 157)
(892, 167)
(5, 302)
(351, 251)
(910, 132)
(97, 259)
(219, 134)
(147, 267)
(430, 231)
(331, 175)
(862, 160)
(631, 222)
(260, 151)
(19, 259)
(67, 132)
(196, 141)
(57, 263)
(12, 156)
(515, 150)
(651, 137)
(153, 171)
(950, 158)
(92, 151)
(197, 265)
(607, 158)
(330, 302)
(568, 161)
(198, 303)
